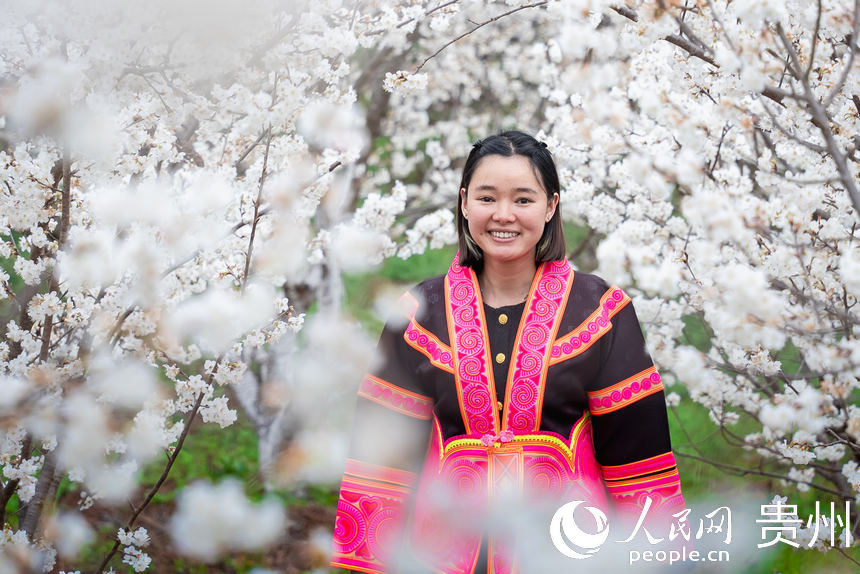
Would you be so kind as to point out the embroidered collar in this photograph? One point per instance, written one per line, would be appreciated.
(473, 373)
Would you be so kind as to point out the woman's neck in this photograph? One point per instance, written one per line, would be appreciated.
(506, 284)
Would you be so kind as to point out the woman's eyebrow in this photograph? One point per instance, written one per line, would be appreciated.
(488, 187)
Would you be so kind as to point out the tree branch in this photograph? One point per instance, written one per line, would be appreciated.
(8, 490)
(814, 43)
(784, 131)
(477, 27)
(688, 32)
(820, 117)
(691, 48)
(740, 471)
(583, 245)
(67, 195)
(240, 225)
(409, 20)
(11, 486)
(47, 328)
(688, 45)
(837, 87)
(777, 94)
(46, 482)
(43, 487)
(714, 163)
(722, 27)
(257, 202)
(249, 149)
(848, 556)
(172, 459)
(628, 13)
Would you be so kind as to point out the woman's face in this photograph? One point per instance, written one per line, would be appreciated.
(506, 208)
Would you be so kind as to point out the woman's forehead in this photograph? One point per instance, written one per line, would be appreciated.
(512, 172)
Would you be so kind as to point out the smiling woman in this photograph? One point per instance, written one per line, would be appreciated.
(530, 382)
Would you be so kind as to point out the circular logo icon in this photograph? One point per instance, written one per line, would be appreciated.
(570, 539)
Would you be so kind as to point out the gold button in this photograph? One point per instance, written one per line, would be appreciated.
(503, 319)
(499, 405)
(500, 358)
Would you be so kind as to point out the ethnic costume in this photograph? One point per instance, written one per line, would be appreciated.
(563, 405)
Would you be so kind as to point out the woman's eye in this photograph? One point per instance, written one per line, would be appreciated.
(485, 199)
(524, 200)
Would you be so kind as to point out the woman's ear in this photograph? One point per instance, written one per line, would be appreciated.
(463, 202)
(551, 205)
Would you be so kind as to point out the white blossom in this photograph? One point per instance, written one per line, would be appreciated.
(852, 474)
(403, 82)
(215, 411)
(30, 271)
(139, 537)
(136, 558)
(797, 454)
(211, 519)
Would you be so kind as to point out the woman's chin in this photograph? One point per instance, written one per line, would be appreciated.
(507, 256)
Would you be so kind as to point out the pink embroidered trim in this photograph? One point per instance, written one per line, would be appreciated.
(598, 323)
(655, 464)
(665, 495)
(367, 470)
(395, 398)
(647, 483)
(524, 395)
(625, 393)
(474, 379)
(370, 513)
(429, 345)
(656, 478)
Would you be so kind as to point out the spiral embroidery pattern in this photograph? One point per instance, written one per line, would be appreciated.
(532, 349)
(580, 339)
(474, 378)
(429, 345)
(546, 474)
(626, 392)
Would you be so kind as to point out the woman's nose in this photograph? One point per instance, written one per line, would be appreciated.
(504, 211)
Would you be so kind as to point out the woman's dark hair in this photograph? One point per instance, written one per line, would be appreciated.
(551, 246)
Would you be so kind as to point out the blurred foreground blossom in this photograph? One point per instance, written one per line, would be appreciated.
(215, 319)
(214, 519)
(336, 126)
(71, 532)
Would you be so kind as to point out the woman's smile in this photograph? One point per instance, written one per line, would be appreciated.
(503, 235)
